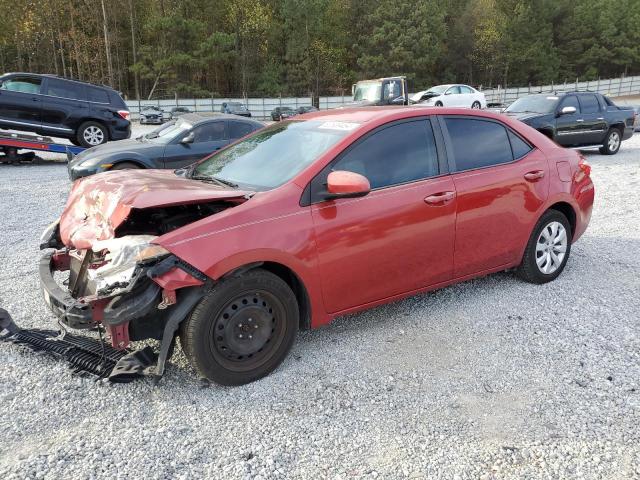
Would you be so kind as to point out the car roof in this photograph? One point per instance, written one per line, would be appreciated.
(198, 118)
(51, 75)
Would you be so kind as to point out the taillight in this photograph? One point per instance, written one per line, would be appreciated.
(584, 166)
(124, 114)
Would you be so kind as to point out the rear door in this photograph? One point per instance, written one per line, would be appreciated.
(207, 138)
(239, 129)
(21, 102)
(467, 96)
(594, 124)
(501, 183)
(64, 106)
(399, 237)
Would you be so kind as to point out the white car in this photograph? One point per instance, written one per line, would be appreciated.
(451, 96)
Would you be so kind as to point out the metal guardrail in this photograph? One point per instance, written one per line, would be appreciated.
(261, 108)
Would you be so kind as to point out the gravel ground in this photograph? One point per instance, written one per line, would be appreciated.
(492, 378)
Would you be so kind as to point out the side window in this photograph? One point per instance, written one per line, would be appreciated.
(519, 147)
(392, 90)
(62, 89)
(240, 129)
(209, 132)
(401, 153)
(589, 104)
(570, 101)
(478, 143)
(453, 91)
(464, 89)
(97, 95)
(22, 84)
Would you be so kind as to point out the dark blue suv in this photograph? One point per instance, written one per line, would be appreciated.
(84, 113)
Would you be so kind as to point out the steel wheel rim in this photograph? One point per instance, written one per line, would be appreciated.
(248, 330)
(93, 135)
(614, 141)
(551, 248)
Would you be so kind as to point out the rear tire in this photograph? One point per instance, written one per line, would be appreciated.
(476, 105)
(547, 250)
(438, 104)
(243, 329)
(612, 142)
(91, 134)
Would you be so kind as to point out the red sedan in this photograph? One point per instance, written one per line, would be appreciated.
(326, 214)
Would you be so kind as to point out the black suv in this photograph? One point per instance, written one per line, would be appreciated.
(84, 113)
(576, 119)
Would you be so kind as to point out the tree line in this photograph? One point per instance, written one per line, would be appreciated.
(202, 48)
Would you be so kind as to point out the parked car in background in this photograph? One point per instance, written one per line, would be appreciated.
(636, 122)
(306, 109)
(178, 111)
(576, 119)
(280, 113)
(451, 96)
(83, 113)
(174, 145)
(152, 115)
(235, 108)
(308, 220)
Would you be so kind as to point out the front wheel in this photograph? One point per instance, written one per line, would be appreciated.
(91, 134)
(243, 329)
(548, 249)
(438, 103)
(612, 142)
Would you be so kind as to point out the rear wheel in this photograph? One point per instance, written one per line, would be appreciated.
(438, 103)
(612, 142)
(243, 329)
(476, 105)
(91, 134)
(548, 249)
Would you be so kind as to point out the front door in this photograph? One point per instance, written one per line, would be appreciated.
(570, 126)
(501, 183)
(206, 139)
(21, 103)
(400, 236)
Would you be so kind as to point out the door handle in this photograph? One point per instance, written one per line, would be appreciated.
(600, 118)
(580, 120)
(34, 99)
(440, 198)
(534, 175)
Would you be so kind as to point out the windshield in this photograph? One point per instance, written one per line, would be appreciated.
(274, 155)
(168, 132)
(534, 104)
(440, 89)
(370, 91)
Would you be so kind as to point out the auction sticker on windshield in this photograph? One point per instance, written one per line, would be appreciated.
(348, 126)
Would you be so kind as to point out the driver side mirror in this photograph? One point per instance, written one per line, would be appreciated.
(188, 138)
(448, 92)
(398, 101)
(344, 184)
(568, 110)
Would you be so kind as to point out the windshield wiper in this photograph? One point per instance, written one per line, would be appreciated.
(220, 181)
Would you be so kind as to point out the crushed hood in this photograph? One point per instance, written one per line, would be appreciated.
(98, 204)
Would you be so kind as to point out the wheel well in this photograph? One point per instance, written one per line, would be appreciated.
(619, 126)
(291, 279)
(134, 162)
(568, 211)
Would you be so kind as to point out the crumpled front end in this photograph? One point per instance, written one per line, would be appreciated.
(127, 284)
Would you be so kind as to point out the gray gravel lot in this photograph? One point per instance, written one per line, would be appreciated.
(492, 378)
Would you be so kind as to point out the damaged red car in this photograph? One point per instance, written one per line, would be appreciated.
(326, 214)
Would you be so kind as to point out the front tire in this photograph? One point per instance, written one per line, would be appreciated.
(243, 329)
(548, 249)
(438, 104)
(125, 166)
(91, 134)
(612, 142)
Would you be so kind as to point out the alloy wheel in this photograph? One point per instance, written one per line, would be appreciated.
(551, 247)
(93, 135)
(614, 141)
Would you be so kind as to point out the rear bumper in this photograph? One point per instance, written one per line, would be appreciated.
(120, 131)
(628, 133)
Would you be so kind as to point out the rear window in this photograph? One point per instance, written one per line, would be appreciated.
(478, 143)
(97, 95)
(62, 89)
(589, 104)
(519, 147)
